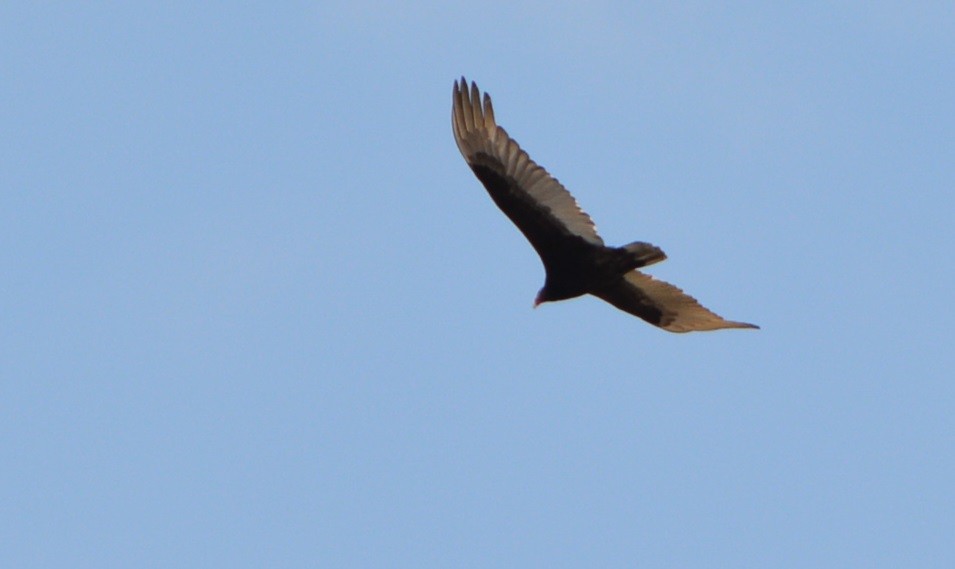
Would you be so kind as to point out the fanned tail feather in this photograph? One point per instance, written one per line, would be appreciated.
(644, 254)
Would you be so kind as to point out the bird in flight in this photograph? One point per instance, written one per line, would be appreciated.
(575, 258)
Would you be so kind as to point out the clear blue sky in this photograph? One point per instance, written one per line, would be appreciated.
(257, 312)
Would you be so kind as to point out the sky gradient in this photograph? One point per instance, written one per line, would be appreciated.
(257, 311)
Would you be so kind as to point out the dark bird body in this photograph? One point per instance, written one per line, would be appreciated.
(575, 258)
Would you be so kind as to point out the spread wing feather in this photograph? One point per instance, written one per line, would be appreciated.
(663, 305)
(544, 211)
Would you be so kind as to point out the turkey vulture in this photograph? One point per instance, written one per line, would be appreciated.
(575, 258)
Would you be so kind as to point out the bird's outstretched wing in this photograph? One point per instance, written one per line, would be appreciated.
(663, 305)
(535, 201)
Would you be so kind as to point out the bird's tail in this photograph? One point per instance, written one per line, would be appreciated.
(643, 254)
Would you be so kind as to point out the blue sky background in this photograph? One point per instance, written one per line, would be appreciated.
(257, 312)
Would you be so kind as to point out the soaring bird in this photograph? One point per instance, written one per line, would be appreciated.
(576, 261)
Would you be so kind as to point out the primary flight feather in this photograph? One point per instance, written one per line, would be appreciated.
(575, 258)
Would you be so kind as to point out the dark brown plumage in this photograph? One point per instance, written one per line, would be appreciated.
(575, 258)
